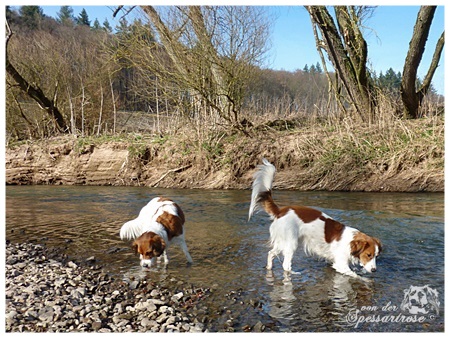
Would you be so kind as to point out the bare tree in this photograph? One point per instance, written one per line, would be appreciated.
(411, 95)
(64, 70)
(347, 50)
(35, 92)
(205, 56)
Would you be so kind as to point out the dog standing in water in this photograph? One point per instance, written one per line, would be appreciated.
(319, 233)
(159, 224)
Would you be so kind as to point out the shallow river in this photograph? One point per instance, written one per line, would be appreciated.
(230, 253)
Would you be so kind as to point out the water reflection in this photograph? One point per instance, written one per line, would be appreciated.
(282, 298)
(294, 301)
(230, 253)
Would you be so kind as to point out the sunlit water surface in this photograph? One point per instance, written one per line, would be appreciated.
(230, 253)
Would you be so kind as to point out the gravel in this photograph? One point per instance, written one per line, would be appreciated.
(47, 292)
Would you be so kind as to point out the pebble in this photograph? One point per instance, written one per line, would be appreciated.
(44, 294)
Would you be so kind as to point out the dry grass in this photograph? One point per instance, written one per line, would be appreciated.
(327, 154)
(313, 152)
(347, 155)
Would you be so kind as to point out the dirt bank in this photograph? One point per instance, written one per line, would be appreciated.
(408, 158)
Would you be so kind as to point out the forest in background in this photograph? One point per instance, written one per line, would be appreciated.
(107, 81)
(187, 95)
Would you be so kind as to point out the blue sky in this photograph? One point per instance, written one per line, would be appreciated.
(388, 33)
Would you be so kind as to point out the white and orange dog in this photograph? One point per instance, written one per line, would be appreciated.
(159, 224)
(320, 234)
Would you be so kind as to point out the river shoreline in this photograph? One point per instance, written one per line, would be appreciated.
(229, 255)
(408, 157)
(47, 291)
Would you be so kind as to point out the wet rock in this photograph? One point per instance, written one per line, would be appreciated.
(72, 265)
(114, 250)
(197, 328)
(134, 285)
(176, 297)
(246, 328)
(155, 293)
(258, 327)
(255, 303)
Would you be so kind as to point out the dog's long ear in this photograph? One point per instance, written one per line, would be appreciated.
(134, 247)
(357, 246)
(378, 242)
(158, 246)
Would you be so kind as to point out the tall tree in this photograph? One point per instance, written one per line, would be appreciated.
(346, 48)
(34, 91)
(65, 16)
(11, 15)
(106, 26)
(208, 52)
(96, 25)
(411, 95)
(31, 16)
(83, 19)
(390, 80)
(318, 67)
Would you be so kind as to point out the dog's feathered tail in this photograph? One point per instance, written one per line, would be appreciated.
(131, 229)
(262, 190)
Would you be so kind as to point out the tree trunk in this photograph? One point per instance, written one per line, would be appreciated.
(349, 59)
(38, 95)
(434, 64)
(410, 96)
(209, 89)
(35, 93)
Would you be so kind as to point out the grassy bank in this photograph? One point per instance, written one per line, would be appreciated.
(389, 155)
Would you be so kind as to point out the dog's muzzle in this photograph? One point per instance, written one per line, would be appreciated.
(146, 263)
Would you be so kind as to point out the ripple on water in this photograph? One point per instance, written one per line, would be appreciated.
(230, 253)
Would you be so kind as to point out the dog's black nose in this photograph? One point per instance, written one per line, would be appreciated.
(374, 269)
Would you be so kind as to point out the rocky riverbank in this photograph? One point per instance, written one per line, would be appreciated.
(45, 293)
